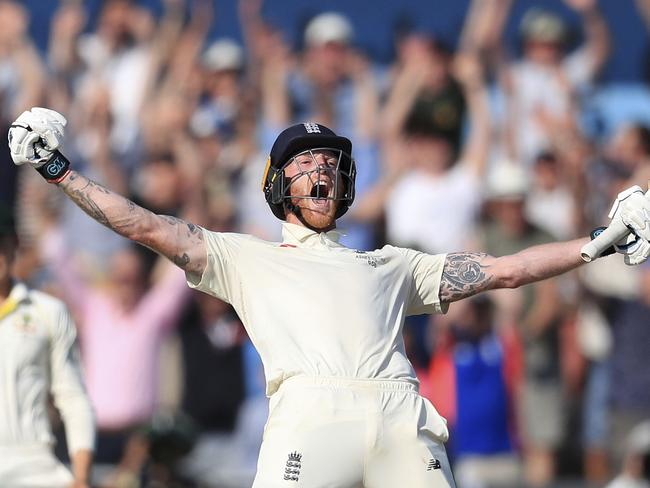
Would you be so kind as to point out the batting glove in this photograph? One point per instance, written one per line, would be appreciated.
(632, 207)
(635, 249)
(34, 139)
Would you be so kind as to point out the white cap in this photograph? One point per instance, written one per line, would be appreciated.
(544, 26)
(506, 180)
(223, 54)
(328, 27)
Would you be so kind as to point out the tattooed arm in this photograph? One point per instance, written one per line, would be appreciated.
(466, 274)
(179, 241)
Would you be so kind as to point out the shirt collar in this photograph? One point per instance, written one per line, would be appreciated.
(299, 235)
(17, 295)
(19, 292)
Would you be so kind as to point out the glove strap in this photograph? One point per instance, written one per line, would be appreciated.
(595, 233)
(56, 169)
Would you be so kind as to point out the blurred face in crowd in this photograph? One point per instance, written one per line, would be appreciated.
(312, 174)
(115, 22)
(127, 277)
(422, 51)
(546, 173)
(509, 214)
(629, 146)
(210, 308)
(327, 62)
(223, 83)
(13, 23)
(543, 52)
(159, 184)
(431, 154)
(7, 256)
(476, 319)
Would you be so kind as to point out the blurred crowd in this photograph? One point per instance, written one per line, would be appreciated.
(463, 147)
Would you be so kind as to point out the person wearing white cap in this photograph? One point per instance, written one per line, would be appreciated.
(535, 311)
(223, 63)
(330, 27)
(541, 86)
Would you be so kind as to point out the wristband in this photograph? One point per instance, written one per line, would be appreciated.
(56, 169)
(595, 233)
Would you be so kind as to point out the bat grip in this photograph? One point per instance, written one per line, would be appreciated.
(611, 235)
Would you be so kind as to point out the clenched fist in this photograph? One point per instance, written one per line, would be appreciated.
(34, 139)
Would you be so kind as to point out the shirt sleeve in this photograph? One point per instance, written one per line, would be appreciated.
(67, 387)
(426, 272)
(220, 277)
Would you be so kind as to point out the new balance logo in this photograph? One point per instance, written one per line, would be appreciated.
(292, 469)
(312, 128)
(433, 464)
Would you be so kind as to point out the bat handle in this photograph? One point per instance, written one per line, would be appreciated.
(611, 235)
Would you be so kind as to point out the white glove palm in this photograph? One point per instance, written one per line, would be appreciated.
(632, 207)
(35, 135)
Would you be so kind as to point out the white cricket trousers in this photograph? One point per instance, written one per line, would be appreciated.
(32, 466)
(350, 433)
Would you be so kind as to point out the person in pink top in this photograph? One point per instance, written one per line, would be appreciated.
(122, 325)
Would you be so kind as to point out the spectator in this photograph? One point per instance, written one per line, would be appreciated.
(630, 391)
(482, 358)
(121, 327)
(417, 206)
(21, 81)
(543, 82)
(550, 204)
(537, 312)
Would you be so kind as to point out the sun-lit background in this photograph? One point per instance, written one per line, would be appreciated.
(485, 125)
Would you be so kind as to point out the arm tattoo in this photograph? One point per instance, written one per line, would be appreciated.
(181, 261)
(120, 214)
(464, 275)
(193, 230)
(83, 199)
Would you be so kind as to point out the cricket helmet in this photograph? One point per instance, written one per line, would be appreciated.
(299, 139)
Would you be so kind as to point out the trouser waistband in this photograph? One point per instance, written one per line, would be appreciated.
(24, 449)
(352, 383)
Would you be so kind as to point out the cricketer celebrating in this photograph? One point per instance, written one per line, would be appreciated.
(344, 405)
(38, 355)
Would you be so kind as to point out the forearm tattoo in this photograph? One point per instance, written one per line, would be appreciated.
(82, 198)
(464, 275)
(86, 198)
(130, 220)
(183, 260)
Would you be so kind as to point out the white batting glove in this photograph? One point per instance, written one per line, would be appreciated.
(35, 135)
(635, 249)
(35, 138)
(632, 207)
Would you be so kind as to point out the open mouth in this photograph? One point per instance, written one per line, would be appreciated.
(319, 193)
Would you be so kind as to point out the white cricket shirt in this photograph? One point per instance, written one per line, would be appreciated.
(38, 354)
(314, 307)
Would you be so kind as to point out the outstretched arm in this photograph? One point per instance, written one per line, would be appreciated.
(177, 240)
(34, 139)
(466, 274)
